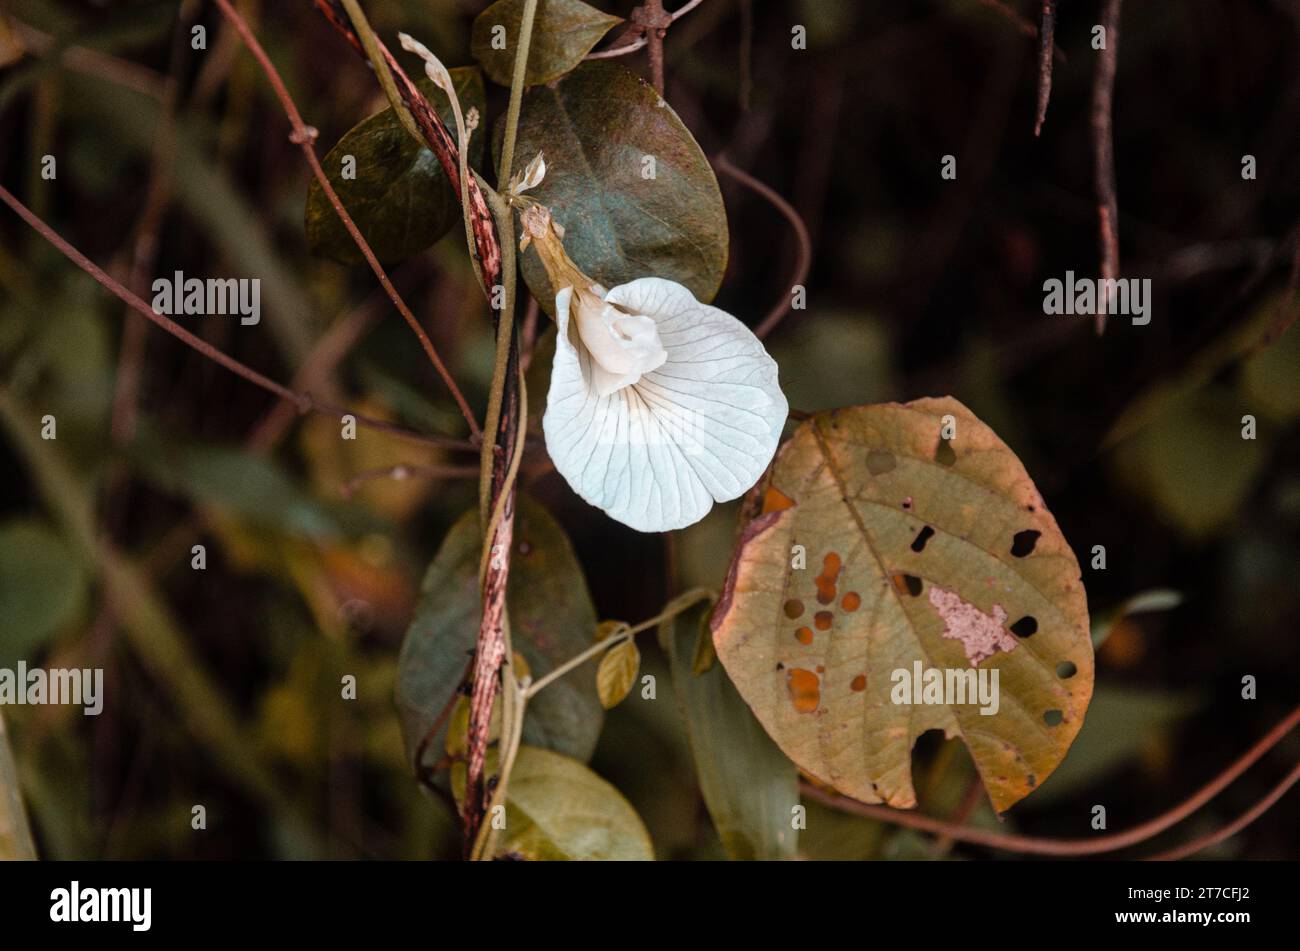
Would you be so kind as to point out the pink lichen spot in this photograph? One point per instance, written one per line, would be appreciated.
(981, 635)
(805, 689)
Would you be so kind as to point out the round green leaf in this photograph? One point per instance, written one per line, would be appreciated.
(920, 551)
(626, 180)
(617, 672)
(400, 199)
(564, 31)
(42, 587)
(551, 620)
(558, 809)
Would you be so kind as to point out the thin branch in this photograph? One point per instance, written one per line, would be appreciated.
(635, 36)
(1046, 46)
(92, 62)
(304, 136)
(1041, 846)
(1022, 24)
(305, 402)
(804, 261)
(1232, 828)
(654, 22)
(622, 50)
(1103, 95)
(439, 140)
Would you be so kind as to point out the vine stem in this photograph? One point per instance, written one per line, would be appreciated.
(492, 661)
(1103, 153)
(489, 226)
(803, 263)
(1232, 828)
(674, 608)
(304, 137)
(1033, 845)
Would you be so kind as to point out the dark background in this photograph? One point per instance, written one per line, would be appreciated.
(919, 287)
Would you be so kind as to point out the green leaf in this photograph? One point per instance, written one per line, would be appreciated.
(1270, 380)
(1191, 465)
(920, 551)
(564, 31)
(551, 620)
(599, 127)
(617, 672)
(749, 786)
(401, 199)
(15, 836)
(42, 587)
(559, 810)
(236, 482)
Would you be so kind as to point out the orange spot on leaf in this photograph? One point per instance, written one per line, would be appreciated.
(774, 500)
(826, 580)
(805, 689)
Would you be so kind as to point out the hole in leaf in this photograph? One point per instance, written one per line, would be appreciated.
(1066, 669)
(943, 453)
(1023, 543)
(923, 536)
(1053, 717)
(793, 608)
(908, 584)
(1025, 626)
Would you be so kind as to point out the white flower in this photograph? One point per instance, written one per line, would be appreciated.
(659, 405)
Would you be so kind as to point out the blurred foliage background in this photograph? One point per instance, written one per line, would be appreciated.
(223, 684)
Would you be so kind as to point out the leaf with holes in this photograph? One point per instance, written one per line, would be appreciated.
(564, 31)
(551, 620)
(617, 673)
(626, 180)
(559, 810)
(394, 188)
(925, 555)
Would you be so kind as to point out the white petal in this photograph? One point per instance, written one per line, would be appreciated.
(700, 428)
